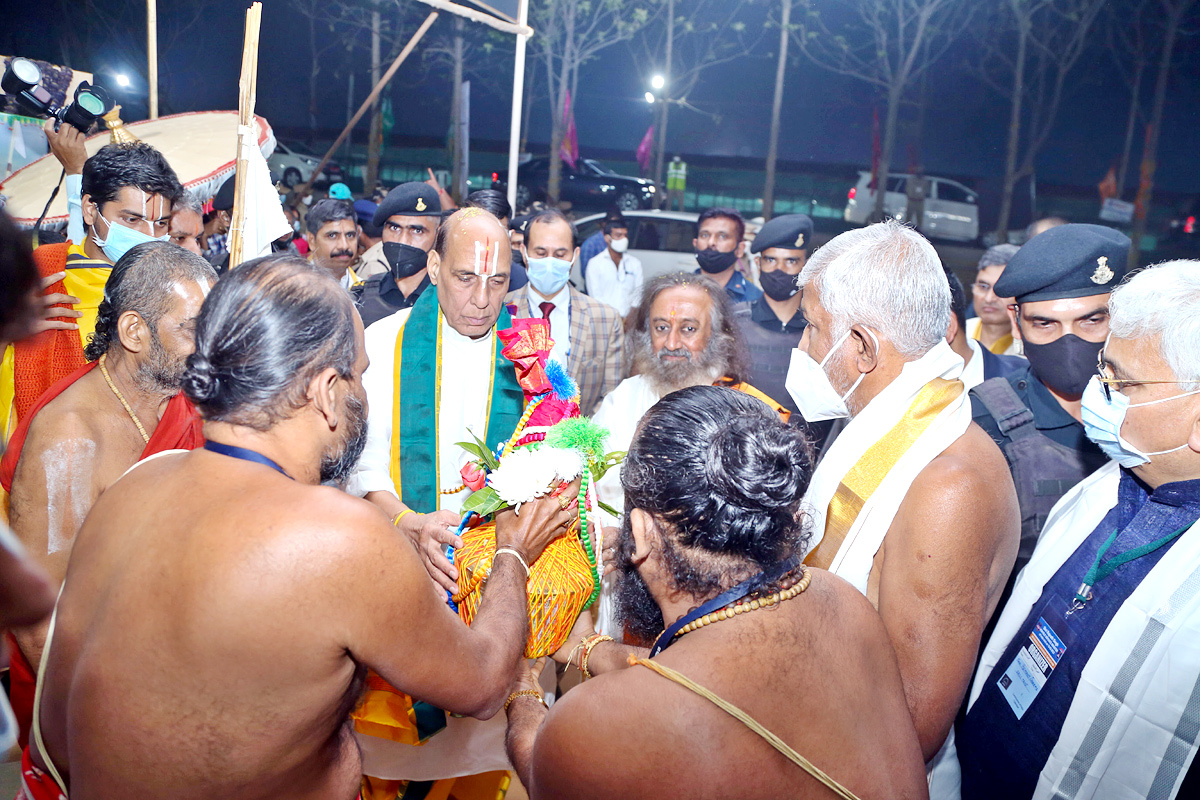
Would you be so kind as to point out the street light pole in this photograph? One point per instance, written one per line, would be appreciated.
(514, 131)
(661, 194)
(152, 54)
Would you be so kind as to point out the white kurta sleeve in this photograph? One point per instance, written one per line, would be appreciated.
(373, 473)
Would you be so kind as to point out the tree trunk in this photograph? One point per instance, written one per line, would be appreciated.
(313, 70)
(1130, 125)
(768, 208)
(660, 197)
(457, 178)
(1150, 154)
(558, 127)
(375, 140)
(527, 108)
(1014, 129)
(558, 130)
(895, 95)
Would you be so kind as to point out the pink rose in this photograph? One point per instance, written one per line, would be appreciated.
(474, 477)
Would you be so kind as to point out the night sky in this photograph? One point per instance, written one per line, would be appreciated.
(826, 118)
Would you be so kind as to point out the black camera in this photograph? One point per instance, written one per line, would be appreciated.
(22, 79)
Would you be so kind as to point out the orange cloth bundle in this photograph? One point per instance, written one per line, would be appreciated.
(560, 584)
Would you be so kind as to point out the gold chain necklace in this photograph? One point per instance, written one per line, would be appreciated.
(121, 397)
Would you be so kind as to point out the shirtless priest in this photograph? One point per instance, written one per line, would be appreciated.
(710, 549)
(213, 633)
(912, 503)
(91, 426)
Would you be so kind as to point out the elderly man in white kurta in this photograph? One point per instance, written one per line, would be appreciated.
(437, 376)
(912, 503)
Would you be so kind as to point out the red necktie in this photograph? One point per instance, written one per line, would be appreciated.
(546, 308)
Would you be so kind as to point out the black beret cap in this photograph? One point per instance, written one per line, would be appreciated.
(224, 198)
(412, 199)
(1075, 260)
(791, 232)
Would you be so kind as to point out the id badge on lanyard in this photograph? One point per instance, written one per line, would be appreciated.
(1040, 654)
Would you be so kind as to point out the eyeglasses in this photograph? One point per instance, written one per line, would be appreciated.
(981, 287)
(1108, 383)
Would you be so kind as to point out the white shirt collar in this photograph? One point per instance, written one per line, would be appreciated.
(561, 300)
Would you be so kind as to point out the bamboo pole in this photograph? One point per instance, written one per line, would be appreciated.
(152, 53)
(246, 135)
(387, 76)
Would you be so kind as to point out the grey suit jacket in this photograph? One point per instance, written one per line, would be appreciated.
(597, 336)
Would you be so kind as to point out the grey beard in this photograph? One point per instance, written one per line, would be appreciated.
(665, 377)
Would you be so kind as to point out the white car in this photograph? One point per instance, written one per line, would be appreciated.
(951, 209)
(661, 240)
(293, 167)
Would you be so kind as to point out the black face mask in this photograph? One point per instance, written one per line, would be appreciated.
(714, 261)
(1066, 364)
(778, 285)
(404, 259)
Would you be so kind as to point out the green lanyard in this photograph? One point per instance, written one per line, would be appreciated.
(1099, 572)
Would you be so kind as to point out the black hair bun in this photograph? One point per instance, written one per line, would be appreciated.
(201, 383)
(758, 464)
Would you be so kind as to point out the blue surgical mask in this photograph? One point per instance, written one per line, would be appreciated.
(121, 240)
(548, 275)
(1103, 418)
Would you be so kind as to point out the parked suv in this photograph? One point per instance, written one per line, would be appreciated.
(951, 209)
(591, 185)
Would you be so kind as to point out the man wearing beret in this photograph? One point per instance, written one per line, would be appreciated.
(1061, 282)
(772, 325)
(409, 217)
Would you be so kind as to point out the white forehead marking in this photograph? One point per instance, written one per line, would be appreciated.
(486, 259)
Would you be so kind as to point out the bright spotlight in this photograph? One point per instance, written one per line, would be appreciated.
(123, 80)
(658, 82)
(649, 97)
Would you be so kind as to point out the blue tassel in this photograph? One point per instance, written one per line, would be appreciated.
(562, 384)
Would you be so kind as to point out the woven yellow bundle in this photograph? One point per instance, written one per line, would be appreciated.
(560, 583)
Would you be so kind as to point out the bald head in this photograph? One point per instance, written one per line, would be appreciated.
(470, 266)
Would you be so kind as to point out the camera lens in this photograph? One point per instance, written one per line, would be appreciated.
(90, 103)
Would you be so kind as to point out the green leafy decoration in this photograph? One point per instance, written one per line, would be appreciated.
(609, 461)
(484, 502)
(481, 451)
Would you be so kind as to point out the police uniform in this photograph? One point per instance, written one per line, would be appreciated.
(770, 341)
(1046, 448)
(379, 296)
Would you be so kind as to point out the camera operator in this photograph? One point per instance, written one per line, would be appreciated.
(128, 194)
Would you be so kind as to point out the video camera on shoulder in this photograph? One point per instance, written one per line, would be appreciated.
(22, 79)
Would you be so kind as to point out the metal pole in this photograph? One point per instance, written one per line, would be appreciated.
(768, 209)
(661, 195)
(152, 54)
(514, 131)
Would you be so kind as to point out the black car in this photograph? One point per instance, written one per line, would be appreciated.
(591, 185)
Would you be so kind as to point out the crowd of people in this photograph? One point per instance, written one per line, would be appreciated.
(874, 535)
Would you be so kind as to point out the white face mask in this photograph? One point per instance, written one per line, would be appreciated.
(810, 388)
(1103, 420)
(619, 245)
